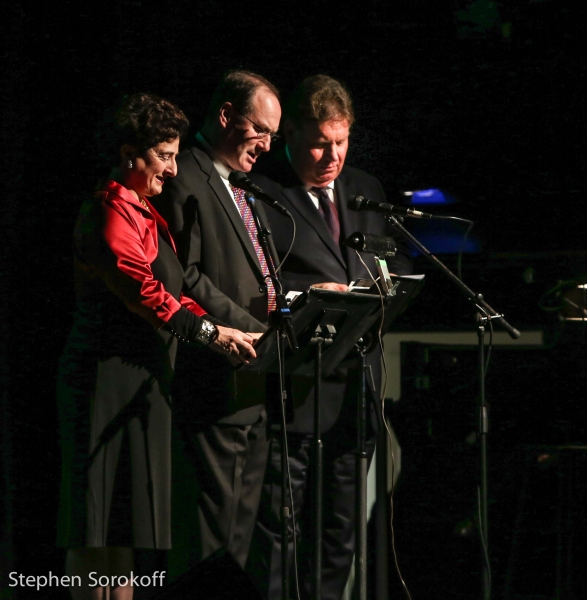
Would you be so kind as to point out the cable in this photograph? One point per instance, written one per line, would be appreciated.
(387, 430)
(286, 450)
(293, 238)
(486, 315)
(481, 517)
(483, 543)
(463, 244)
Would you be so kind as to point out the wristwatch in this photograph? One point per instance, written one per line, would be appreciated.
(207, 334)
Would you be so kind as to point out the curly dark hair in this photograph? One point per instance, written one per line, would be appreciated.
(238, 87)
(145, 120)
(319, 98)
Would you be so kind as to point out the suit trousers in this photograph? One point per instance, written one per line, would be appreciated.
(217, 475)
(264, 565)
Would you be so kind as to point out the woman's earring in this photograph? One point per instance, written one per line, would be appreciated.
(129, 163)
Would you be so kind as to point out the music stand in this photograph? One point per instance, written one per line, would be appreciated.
(328, 325)
(353, 314)
(401, 290)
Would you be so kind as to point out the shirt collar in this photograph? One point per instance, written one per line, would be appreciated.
(223, 169)
(330, 186)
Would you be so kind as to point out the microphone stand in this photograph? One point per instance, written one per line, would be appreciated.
(282, 313)
(281, 318)
(484, 314)
(361, 469)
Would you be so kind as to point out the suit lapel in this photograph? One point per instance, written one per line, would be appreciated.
(349, 223)
(299, 199)
(225, 200)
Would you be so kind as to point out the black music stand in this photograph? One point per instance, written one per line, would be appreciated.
(353, 314)
(330, 326)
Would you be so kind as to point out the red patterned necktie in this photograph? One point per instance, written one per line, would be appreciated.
(328, 211)
(249, 221)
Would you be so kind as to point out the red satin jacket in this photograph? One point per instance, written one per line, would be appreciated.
(130, 233)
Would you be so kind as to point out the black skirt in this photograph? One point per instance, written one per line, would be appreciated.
(114, 404)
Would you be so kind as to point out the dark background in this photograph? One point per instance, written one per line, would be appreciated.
(482, 99)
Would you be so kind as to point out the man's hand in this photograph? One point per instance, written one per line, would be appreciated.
(235, 344)
(330, 285)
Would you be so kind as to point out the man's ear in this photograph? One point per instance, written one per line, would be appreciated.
(226, 114)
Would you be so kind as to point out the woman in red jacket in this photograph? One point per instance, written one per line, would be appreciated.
(115, 373)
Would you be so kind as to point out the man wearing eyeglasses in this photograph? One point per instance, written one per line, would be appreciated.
(310, 178)
(219, 412)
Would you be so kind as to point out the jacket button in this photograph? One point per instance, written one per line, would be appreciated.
(262, 288)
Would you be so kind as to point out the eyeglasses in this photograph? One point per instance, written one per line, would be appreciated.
(261, 133)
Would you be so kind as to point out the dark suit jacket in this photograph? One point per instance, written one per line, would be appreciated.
(315, 257)
(223, 272)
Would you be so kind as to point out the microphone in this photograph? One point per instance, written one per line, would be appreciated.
(361, 203)
(240, 180)
(373, 244)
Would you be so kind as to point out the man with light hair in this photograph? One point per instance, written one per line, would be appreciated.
(310, 178)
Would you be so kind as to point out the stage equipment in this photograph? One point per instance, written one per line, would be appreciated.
(240, 180)
(575, 304)
(484, 316)
(568, 299)
(373, 244)
(330, 326)
(359, 203)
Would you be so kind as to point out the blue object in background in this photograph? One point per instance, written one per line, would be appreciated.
(439, 236)
(430, 196)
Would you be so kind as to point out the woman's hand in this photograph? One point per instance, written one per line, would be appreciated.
(235, 344)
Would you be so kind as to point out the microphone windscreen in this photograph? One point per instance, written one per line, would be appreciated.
(237, 178)
(373, 244)
(356, 203)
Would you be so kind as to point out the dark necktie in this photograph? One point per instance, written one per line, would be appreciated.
(328, 210)
(249, 221)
